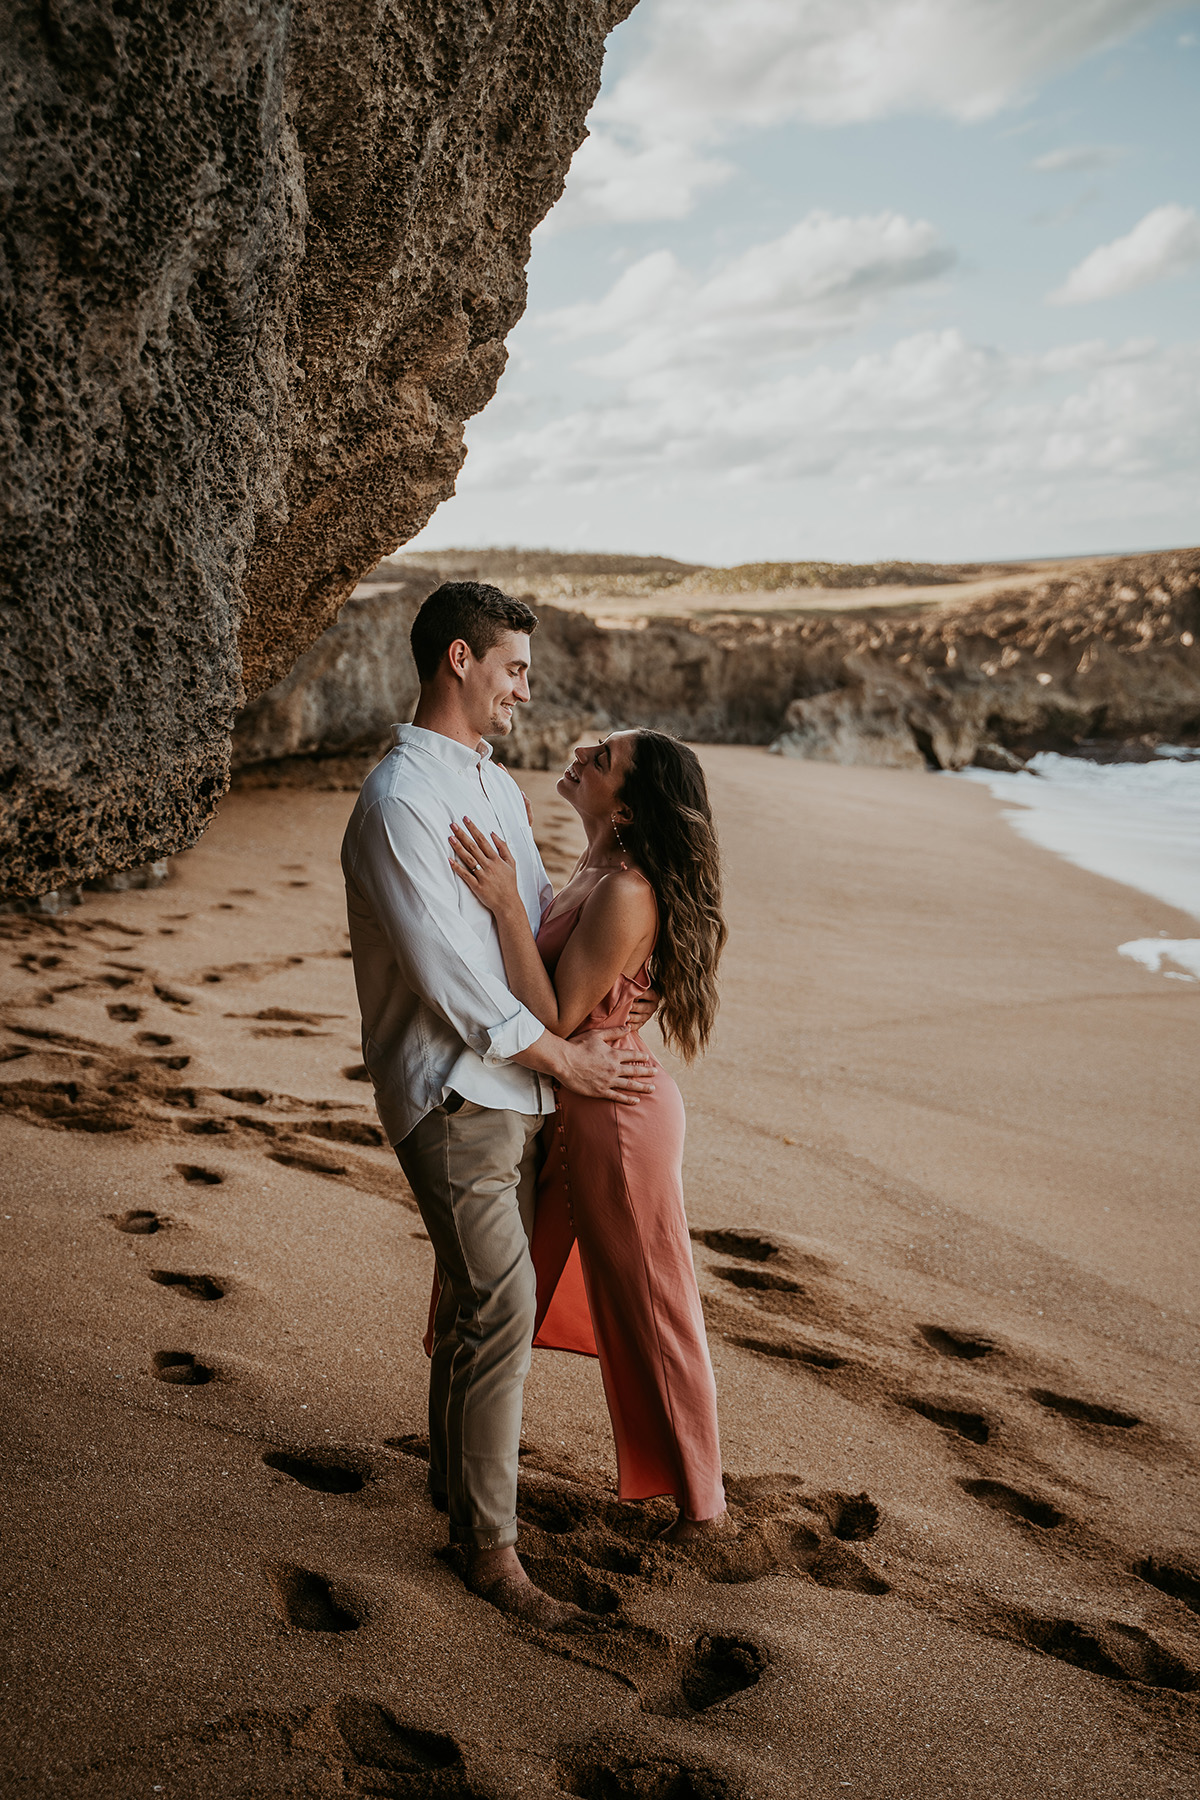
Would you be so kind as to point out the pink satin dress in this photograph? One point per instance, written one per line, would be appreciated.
(615, 1276)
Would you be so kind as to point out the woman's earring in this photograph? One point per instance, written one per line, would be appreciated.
(617, 833)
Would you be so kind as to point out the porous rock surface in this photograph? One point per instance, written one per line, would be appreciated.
(348, 688)
(257, 265)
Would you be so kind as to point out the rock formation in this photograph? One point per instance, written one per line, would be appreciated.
(1105, 658)
(1109, 653)
(347, 688)
(257, 266)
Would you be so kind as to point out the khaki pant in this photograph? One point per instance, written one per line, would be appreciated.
(473, 1170)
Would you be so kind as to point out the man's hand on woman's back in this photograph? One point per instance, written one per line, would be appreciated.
(593, 1065)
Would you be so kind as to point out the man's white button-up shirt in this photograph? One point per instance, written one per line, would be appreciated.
(437, 1012)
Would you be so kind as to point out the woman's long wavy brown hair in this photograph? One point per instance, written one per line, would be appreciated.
(671, 837)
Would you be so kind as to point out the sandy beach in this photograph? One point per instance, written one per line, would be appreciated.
(941, 1174)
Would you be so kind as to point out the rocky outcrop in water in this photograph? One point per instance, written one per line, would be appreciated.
(257, 266)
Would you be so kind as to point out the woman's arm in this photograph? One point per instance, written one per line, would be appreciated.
(615, 930)
(486, 866)
(614, 935)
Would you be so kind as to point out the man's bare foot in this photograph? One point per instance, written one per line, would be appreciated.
(497, 1577)
(697, 1531)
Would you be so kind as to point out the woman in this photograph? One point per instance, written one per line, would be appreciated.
(642, 908)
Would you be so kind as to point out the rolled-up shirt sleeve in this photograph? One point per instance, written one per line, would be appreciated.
(405, 875)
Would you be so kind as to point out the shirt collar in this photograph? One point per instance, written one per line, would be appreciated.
(446, 750)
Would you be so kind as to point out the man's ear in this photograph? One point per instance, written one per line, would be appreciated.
(460, 657)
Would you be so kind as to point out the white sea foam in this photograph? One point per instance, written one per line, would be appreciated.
(1138, 823)
(1152, 953)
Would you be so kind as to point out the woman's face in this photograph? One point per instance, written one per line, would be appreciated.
(596, 776)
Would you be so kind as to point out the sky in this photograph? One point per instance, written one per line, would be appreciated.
(862, 279)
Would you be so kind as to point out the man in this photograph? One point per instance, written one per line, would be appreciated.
(462, 1071)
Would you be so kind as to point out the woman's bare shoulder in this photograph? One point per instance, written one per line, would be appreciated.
(623, 892)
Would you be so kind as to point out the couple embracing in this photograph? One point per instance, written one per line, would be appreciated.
(542, 1141)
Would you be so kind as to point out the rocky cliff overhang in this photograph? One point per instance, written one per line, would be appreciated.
(257, 266)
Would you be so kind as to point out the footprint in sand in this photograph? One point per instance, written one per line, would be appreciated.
(300, 1159)
(139, 1221)
(122, 1014)
(197, 1287)
(1083, 1412)
(357, 1072)
(759, 1281)
(381, 1755)
(852, 1517)
(195, 1172)
(781, 1530)
(963, 1423)
(573, 1583)
(347, 1131)
(1173, 1578)
(413, 1443)
(619, 1768)
(964, 1346)
(752, 1246)
(810, 1355)
(671, 1679)
(171, 997)
(282, 1022)
(157, 1039)
(1002, 1498)
(305, 1600)
(1106, 1647)
(180, 1368)
(322, 1473)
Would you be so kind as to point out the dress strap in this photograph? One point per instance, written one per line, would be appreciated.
(638, 873)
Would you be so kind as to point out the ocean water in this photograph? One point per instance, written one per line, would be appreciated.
(1138, 823)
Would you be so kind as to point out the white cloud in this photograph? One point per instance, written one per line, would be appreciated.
(1164, 243)
(613, 178)
(1075, 157)
(823, 277)
(710, 69)
(933, 410)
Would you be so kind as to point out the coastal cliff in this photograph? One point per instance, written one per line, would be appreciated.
(1101, 656)
(257, 267)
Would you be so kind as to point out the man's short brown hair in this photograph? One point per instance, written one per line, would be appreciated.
(471, 610)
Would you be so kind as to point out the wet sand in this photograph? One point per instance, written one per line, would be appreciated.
(941, 1175)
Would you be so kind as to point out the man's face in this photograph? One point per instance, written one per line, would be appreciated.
(496, 682)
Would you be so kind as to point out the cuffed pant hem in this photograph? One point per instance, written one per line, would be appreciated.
(476, 1537)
